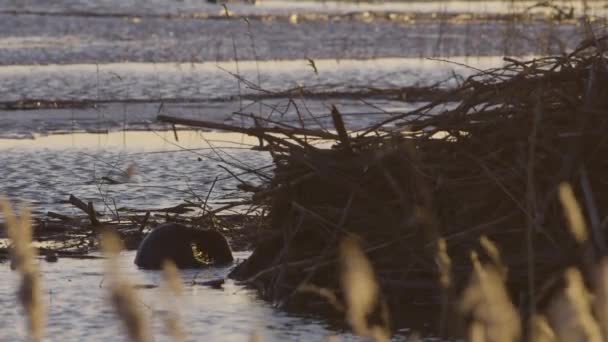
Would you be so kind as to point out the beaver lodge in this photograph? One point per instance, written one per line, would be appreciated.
(487, 169)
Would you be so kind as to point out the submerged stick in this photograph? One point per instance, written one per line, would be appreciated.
(341, 129)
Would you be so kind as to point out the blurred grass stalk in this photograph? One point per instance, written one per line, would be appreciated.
(23, 259)
(173, 291)
(361, 292)
(122, 294)
(573, 314)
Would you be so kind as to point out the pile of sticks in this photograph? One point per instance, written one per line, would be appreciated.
(488, 165)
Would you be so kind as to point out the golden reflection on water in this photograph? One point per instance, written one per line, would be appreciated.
(139, 140)
(289, 66)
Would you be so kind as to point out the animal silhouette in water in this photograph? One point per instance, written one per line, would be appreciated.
(187, 247)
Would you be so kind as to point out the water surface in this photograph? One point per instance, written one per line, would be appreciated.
(81, 31)
(76, 295)
(45, 171)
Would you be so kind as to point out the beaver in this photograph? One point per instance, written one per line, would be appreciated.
(187, 247)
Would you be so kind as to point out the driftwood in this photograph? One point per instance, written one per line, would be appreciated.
(87, 208)
(262, 132)
(58, 216)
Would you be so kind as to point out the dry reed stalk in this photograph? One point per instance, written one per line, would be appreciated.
(541, 330)
(486, 301)
(173, 285)
(255, 337)
(444, 264)
(361, 291)
(23, 257)
(494, 254)
(122, 294)
(172, 278)
(573, 213)
(600, 300)
(570, 314)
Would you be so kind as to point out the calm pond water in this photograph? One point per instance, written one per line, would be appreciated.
(76, 296)
(126, 61)
(86, 31)
(45, 171)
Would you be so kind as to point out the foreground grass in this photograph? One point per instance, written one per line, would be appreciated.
(578, 311)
